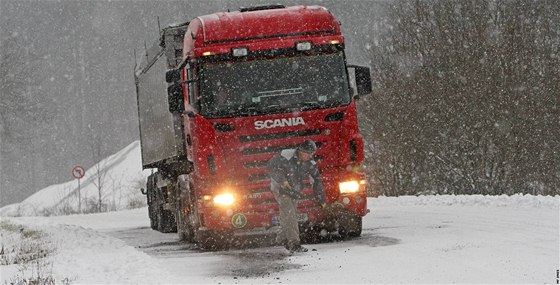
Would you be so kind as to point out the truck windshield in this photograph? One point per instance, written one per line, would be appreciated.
(230, 89)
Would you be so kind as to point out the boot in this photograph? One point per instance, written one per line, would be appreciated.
(296, 248)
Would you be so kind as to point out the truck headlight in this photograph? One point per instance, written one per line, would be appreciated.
(349, 187)
(225, 199)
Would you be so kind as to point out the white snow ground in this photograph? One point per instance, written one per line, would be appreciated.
(426, 239)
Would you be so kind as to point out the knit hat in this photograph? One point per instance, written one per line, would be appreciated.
(308, 146)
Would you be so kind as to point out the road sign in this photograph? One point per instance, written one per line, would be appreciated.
(78, 172)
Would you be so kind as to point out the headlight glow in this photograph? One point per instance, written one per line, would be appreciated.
(349, 187)
(225, 199)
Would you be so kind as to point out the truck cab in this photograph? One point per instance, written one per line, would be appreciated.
(249, 84)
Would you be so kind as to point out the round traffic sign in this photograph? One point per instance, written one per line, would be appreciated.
(78, 172)
(239, 220)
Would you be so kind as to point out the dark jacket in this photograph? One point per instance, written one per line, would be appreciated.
(285, 166)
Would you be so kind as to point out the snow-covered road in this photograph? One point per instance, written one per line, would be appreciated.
(437, 239)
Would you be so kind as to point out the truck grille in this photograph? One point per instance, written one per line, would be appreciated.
(258, 177)
(272, 149)
(255, 164)
(263, 146)
(268, 149)
(276, 136)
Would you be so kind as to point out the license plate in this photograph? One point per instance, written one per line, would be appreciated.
(301, 217)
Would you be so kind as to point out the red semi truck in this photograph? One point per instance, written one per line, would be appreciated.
(220, 95)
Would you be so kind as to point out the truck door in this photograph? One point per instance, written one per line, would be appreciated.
(189, 89)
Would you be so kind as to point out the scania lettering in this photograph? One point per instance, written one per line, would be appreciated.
(279, 123)
(219, 95)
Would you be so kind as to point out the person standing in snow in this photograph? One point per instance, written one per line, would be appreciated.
(288, 170)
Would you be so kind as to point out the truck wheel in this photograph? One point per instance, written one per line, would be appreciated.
(184, 230)
(153, 217)
(184, 226)
(160, 219)
(350, 226)
(166, 221)
(310, 234)
(152, 214)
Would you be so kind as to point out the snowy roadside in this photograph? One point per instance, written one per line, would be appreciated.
(515, 201)
(426, 239)
(81, 252)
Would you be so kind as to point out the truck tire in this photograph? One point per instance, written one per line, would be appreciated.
(184, 230)
(153, 216)
(166, 221)
(150, 196)
(185, 210)
(309, 234)
(350, 226)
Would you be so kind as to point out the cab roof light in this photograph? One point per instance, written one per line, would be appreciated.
(239, 51)
(303, 46)
(207, 53)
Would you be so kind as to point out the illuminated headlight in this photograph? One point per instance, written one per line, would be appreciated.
(302, 46)
(241, 51)
(225, 199)
(334, 42)
(349, 187)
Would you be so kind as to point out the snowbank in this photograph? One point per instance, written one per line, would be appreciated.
(121, 178)
(515, 201)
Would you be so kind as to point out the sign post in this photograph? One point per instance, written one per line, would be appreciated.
(78, 172)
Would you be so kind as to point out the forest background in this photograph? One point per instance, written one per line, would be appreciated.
(466, 93)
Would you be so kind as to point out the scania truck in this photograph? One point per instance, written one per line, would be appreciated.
(220, 95)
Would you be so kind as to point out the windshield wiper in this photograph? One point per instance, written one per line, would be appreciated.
(312, 105)
(247, 110)
(273, 106)
(253, 110)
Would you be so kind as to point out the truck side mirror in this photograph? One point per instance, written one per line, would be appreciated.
(173, 75)
(175, 98)
(363, 79)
